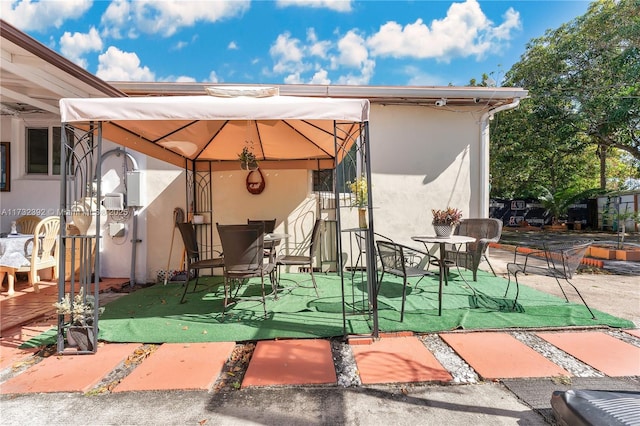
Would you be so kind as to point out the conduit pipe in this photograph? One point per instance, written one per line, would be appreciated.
(484, 153)
(134, 226)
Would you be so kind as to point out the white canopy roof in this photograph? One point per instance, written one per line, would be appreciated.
(283, 131)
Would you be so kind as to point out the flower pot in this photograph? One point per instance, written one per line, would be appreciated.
(443, 230)
(80, 337)
(362, 217)
(81, 214)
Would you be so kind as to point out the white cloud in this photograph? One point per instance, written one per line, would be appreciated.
(232, 46)
(116, 18)
(320, 77)
(465, 31)
(116, 65)
(28, 15)
(336, 5)
(293, 78)
(180, 45)
(317, 47)
(366, 72)
(74, 46)
(353, 52)
(287, 54)
(213, 77)
(168, 17)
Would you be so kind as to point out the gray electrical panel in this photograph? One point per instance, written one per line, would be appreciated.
(134, 189)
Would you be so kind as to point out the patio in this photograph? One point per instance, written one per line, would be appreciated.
(155, 314)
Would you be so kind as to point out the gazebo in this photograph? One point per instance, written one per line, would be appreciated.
(203, 134)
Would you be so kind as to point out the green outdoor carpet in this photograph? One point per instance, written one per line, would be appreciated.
(155, 314)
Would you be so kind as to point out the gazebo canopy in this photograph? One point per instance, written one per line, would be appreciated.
(282, 131)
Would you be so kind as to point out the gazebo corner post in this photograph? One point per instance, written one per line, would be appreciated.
(96, 264)
(340, 259)
(372, 273)
(63, 231)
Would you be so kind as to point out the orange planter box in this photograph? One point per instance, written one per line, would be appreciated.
(602, 252)
(609, 254)
(628, 255)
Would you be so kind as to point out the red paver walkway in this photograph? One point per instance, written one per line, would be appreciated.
(290, 362)
(179, 366)
(499, 356)
(26, 305)
(601, 351)
(398, 359)
(10, 352)
(634, 332)
(69, 373)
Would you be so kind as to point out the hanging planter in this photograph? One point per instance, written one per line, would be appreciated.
(248, 159)
(255, 186)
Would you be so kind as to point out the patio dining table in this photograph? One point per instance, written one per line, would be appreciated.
(442, 242)
(13, 255)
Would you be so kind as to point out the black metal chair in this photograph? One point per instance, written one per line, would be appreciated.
(243, 248)
(393, 260)
(299, 259)
(559, 261)
(269, 227)
(193, 260)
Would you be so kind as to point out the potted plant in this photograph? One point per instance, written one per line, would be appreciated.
(445, 220)
(359, 190)
(79, 315)
(248, 159)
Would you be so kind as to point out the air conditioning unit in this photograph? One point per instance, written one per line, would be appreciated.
(113, 201)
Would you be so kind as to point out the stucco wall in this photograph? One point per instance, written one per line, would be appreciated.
(422, 158)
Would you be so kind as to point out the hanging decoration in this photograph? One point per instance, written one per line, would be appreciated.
(255, 182)
(247, 157)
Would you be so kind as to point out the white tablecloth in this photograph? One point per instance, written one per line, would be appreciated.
(12, 251)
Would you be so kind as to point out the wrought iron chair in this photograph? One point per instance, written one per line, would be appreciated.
(269, 227)
(485, 231)
(394, 261)
(299, 259)
(559, 261)
(27, 224)
(193, 260)
(243, 248)
(42, 250)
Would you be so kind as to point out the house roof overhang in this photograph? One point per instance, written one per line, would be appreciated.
(489, 97)
(33, 78)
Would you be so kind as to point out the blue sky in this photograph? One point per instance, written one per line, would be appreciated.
(394, 43)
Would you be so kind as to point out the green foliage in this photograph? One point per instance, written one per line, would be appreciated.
(583, 113)
(558, 202)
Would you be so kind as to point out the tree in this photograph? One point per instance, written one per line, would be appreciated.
(584, 84)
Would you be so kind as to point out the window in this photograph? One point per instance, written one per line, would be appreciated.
(43, 150)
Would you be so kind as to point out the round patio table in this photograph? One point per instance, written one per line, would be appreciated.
(442, 241)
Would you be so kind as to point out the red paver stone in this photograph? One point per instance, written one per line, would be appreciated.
(290, 362)
(183, 366)
(398, 359)
(501, 356)
(69, 373)
(601, 351)
(634, 332)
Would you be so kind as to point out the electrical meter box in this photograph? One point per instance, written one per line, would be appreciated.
(134, 189)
